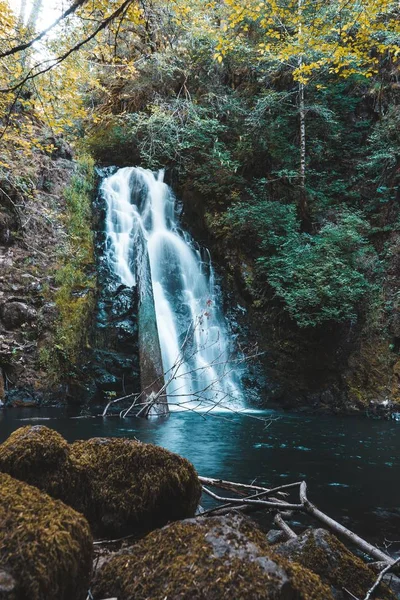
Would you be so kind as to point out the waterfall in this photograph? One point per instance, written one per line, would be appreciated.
(143, 235)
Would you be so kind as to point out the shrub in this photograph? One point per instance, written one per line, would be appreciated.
(323, 277)
(319, 278)
(76, 282)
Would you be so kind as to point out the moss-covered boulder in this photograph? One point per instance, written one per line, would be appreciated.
(45, 546)
(37, 455)
(323, 554)
(206, 559)
(133, 486)
(122, 486)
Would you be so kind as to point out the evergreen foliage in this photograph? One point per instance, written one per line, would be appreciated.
(282, 116)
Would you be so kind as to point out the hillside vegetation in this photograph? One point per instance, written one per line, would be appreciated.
(278, 124)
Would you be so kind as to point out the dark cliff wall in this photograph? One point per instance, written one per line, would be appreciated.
(47, 276)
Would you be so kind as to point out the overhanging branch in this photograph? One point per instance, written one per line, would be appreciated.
(26, 45)
(54, 62)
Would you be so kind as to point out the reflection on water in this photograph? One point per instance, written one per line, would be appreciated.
(352, 466)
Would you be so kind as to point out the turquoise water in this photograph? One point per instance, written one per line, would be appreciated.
(351, 465)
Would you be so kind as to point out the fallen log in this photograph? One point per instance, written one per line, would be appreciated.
(257, 501)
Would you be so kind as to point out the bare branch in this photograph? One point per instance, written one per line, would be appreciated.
(264, 503)
(380, 578)
(305, 506)
(54, 62)
(279, 522)
(41, 35)
(340, 529)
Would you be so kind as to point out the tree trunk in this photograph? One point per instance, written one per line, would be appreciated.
(303, 206)
(22, 15)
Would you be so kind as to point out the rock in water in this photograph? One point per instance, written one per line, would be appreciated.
(211, 559)
(322, 552)
(122, 486)
(39, 456)
(45, 546)
(133, 487)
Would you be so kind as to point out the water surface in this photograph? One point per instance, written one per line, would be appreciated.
(351, 465)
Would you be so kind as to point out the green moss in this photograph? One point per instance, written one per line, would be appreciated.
(335, 564)
(75, 295)
(44, 545)
(40, 456)
(133, 485)
(210, 559)
(32, 449)
(121, 486)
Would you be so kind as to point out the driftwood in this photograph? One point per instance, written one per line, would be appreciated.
(379, 580)
(288, 531)
(339, 529)
(154, 400)
(280, 506)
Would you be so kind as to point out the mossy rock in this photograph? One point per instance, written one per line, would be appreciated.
(133, 486)
(206, 559)
(39, 456)
(45, 546)
(325, 555)
(122, 486)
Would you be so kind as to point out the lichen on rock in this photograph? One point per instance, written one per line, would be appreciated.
(206, 559)
(45, 546)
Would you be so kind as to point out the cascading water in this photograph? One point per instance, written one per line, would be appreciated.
(145, 246)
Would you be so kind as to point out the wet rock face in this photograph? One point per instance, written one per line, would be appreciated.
(45, 546)
(210, 559)
(318, 550)
(113, 363)
(122, 486)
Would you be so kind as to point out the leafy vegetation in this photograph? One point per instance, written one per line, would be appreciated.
(277, 123)
(75, 278)
(320, 277)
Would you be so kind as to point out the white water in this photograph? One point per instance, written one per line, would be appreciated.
(194, 344)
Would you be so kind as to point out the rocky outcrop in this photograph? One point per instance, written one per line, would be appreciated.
(45, 546)
(122, 486)
(206, 559)
(32, 236)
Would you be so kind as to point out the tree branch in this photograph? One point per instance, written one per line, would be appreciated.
(60, 59)
(380, 578)
(288, 531)
(27, 45)
(339, 529)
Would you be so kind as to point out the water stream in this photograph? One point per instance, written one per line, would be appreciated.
(147, 248)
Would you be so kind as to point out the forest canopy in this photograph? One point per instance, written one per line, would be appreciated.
(283, 115)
